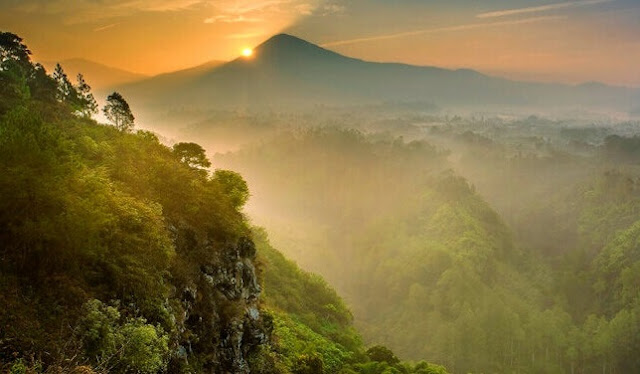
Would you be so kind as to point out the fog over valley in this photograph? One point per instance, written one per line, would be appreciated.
(279, 187)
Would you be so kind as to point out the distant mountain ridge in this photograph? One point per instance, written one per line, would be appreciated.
(286, 71)
(99, 76)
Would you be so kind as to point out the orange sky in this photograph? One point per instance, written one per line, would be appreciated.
(568, 41)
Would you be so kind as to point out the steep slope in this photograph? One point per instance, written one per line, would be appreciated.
(428, 268)
(118, 255)
(312, 328)
(287, 72)
(97, 253)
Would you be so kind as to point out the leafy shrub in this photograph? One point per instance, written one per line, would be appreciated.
(18, 367)
(133, 346)
(381, 353)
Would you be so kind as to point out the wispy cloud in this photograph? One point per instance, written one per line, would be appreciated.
(251, 11)
(226, 18)
(70, 6)
(106, 27)
(333, 9)
(305, 8)
(329, 9)
(542, 8)
(246, 35)
(222, 11)
(464, 27)
(92, 11)
(161, 6)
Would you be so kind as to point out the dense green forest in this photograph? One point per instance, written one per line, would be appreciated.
(431, 270)
(120, 254)
(481, 245)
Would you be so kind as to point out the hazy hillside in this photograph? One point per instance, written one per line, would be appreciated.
(424, 225)
(99, 76)
(415, 250)
(171, 82)
(120, 254)
(287, 72)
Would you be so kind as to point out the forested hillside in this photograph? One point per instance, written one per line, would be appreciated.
(313, 331)
(481, 245)
(570, 194)
(116, 253)
(120, 254)
(431, 270)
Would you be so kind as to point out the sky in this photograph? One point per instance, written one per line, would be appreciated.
(569, 41)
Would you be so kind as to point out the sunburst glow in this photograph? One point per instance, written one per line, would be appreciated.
(247, 52)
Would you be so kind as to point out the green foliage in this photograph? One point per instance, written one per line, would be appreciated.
(21, 80)
(144, 348)
(234, 186)
(427, 368)
(66, 93)
(191, 154)
(118, 112)
(305, 297)
(313, 331)
(86, 102)
(18, 367)
(622, 149)
(312, 326)
(98, 329)
(13, 50)
(132, 346)
(308, 364)
(91, 213)
(429, 267)
(295, 341)
(381, 353)
(266, 361)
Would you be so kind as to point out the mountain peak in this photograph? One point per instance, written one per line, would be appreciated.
(289, 46)
(284, 36)
(284, 39)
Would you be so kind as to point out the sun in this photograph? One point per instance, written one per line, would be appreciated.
(247, 52)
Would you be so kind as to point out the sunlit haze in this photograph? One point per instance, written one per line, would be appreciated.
(565, 41)
(319, 186)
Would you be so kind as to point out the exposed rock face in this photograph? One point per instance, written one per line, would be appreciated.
(222, 322)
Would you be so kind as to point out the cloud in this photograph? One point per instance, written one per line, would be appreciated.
(102, 28)
(243, 7)
(93, 11)
(114, 6)
(246, 35)
(223, 11)
(252, 11)
(225, 18)
(465, 27)
(305, 8)
(542, 8)
(160, 6)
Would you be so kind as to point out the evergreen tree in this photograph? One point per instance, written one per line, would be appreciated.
(86, 100)
(66, 93)
(118, 112)
(13, 51)
(15, 68)
(41, 85)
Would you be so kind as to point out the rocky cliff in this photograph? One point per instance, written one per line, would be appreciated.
(221, 317)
